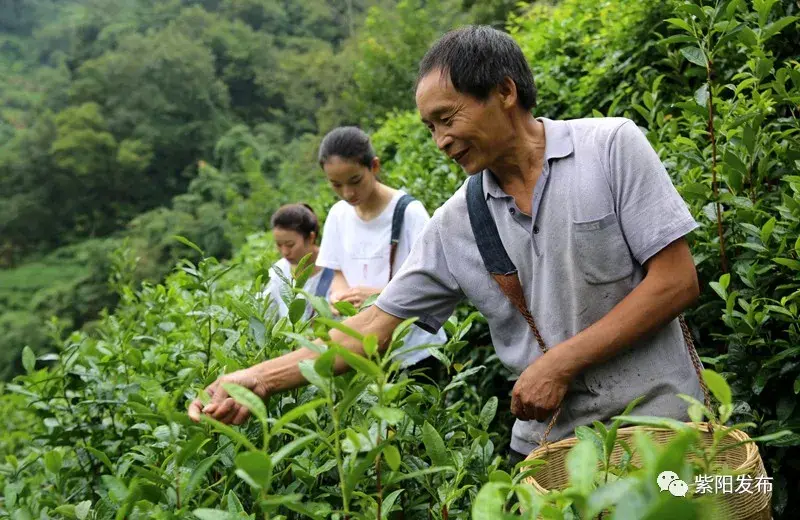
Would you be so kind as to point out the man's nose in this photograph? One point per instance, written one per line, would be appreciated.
(443, 141)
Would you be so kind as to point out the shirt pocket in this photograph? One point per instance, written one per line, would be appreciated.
(603, 254)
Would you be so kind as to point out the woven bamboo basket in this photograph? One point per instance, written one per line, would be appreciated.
(744, 459)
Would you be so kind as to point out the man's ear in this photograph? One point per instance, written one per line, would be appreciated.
(507, 90)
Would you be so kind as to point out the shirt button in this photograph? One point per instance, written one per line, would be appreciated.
(512, 210)
(535, 230)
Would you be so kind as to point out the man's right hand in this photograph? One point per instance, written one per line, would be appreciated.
(223, 407)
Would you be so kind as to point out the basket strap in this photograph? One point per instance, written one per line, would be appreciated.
(499, 264)
(698, 365)
(397, 226)
(512, 288)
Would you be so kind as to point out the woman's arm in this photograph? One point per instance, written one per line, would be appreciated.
(339, 285)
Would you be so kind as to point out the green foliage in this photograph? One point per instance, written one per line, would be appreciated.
(726, 63)
(585, 56)
(110, 427)
(411, 160)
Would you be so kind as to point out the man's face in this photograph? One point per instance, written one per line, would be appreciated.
(473, 133)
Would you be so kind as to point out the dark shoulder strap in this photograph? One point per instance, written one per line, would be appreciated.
(397, 227)
(324, 284)
(484, 228)
(494, 254)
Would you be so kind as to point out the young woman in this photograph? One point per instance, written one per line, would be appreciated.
(295, 229)
(357, 233)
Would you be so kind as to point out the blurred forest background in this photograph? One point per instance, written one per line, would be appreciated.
(142, 119)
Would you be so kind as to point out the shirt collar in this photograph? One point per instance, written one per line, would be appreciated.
(558, 144)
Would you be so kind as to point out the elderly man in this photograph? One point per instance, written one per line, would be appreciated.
(590, 220)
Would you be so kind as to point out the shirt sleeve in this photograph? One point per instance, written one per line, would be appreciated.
(652, 213)
(330, 249)
(424, 287)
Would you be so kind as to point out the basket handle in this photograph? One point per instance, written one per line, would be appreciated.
(512, 288)
(698, 365)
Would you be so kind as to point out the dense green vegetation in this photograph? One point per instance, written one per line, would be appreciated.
(144, 119)
(126, 123)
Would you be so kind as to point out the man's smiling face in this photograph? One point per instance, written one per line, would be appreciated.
(472, 132)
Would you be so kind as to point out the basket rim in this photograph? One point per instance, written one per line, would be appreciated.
(752, 456)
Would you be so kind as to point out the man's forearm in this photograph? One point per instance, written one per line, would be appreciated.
(651, 305)
(283, 373)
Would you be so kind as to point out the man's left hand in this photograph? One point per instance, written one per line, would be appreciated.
(540, 389)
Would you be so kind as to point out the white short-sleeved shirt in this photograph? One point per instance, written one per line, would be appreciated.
(603, 205)
(360, 249)
(276, 287)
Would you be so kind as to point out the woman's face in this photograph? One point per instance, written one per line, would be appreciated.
(352, 181)
(292, 245)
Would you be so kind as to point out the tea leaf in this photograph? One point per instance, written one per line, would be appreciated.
(248, 399)
(198, 474)
(360, 363)
(434, 445)
(229, 432)
(393, 416)
(341, 327)
(392, 456)
(215, 514)
(297, 309)
(185, 241)
(718, 386)
(258, 466)
(582, 466)
(28, 359)
(290, 448)
(370, 344)
(312, 376)
(102, 457)
(82, 509)
(295, 413)
(304, 341)
(388, 503)
(695, 55)
(488, 412)
(490, 502)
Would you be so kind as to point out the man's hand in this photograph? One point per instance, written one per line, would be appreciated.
(540, 389)
(222, 407)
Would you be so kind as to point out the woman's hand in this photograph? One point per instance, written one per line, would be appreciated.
(358, 295)
(222, 407)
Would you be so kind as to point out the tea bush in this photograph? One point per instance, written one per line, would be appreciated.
(99, 430)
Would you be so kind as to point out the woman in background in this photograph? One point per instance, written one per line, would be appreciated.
(356, 242)
(295, 229)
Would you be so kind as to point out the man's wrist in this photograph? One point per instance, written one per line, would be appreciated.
(565, 364)
(265, 378)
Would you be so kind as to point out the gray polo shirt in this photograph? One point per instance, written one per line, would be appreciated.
(602, 206)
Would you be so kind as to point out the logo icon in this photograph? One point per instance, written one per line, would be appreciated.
(669, 481)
